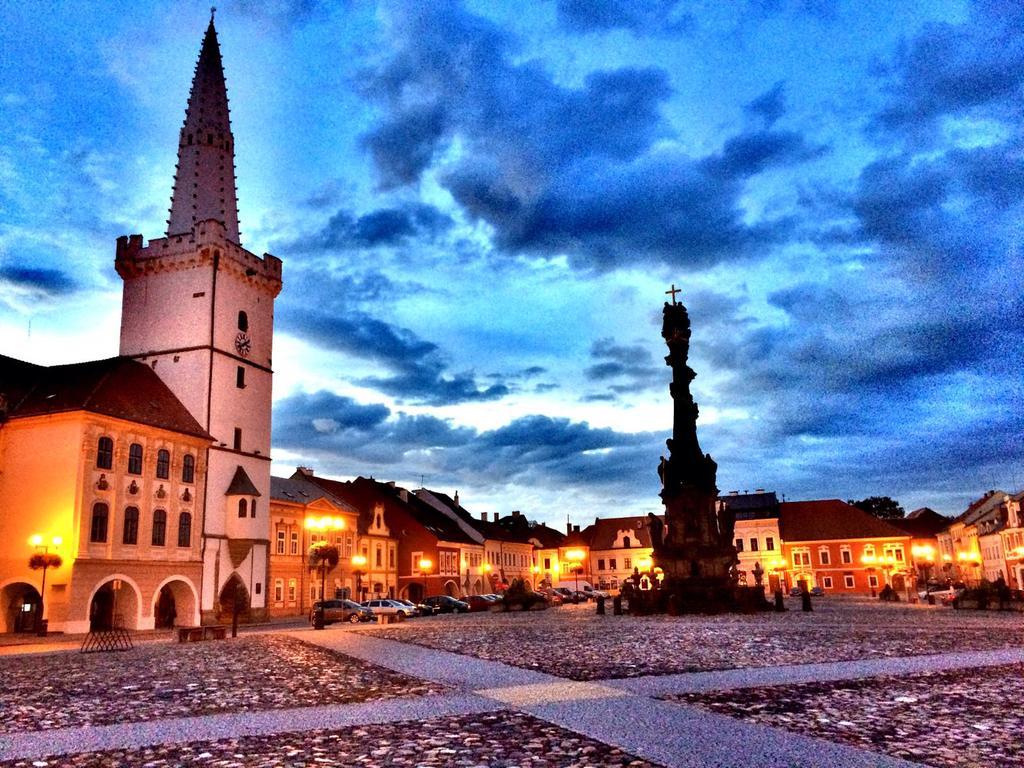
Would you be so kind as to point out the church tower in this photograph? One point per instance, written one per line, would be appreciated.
(199, 309)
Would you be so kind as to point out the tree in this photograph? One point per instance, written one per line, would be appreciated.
(881, 506)
(325, 557)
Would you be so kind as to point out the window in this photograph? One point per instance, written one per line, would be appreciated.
(753, 544)
(848, 581)
(295, 543)
(259, 588)
(869, 550)
(159, 527)
(600, 564)
(379, 558)
(163, 464)
(238, 439)
(135, 459)
(98, 530)
(769, 543)
(185, 529)
(547, 563)
(823, 556)
(280, 541)
(278, 590)
(846, 555)
(131, 525)
(826, 582)
(240, 377)
(626, 543)
(105, 453)
(243, 508)
(252, 508)
(611, 564)
(801, 557)
(188, 468)
(243, 321)
(627, 563)
(739, 545)
(391, 558)
(872, 581)
(291, 590)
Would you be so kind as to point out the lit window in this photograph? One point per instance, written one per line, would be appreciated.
(291, 590)
(105, 453)
(280, 541)
(278, 590)
(295, 543)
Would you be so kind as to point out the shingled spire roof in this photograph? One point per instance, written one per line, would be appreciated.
(204, 183)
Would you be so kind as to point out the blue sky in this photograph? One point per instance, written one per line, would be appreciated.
(480, 205)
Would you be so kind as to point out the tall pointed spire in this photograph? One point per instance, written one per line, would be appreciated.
(204, 184)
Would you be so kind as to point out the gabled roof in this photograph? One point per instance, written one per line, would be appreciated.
(923, 523)
(241, 485)
(830, 520)
(299, 490)
(752, 506)
(980, 509)
(118, 386)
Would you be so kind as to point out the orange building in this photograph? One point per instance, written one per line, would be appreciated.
(842, 549)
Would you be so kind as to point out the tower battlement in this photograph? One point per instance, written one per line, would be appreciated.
(207, 241)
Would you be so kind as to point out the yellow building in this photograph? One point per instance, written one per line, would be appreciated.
(102, 465)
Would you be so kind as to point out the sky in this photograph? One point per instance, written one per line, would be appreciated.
(480, 206)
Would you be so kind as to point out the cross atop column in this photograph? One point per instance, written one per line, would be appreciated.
(672, 292)
(213, 11)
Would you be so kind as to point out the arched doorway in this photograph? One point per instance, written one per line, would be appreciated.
(898, 583)
(19, 603)
(115, 605)
(233, 594)
(415, 592)
(174, 604)
(451, 588)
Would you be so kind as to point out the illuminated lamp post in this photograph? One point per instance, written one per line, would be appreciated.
(777, 566)
(971, 559)
(43, 561)
(324, 555)
(575, 558)
(425, 565)
(925, 552)
(358, 563)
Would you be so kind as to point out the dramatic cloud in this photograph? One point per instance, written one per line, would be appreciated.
(384, 227)
(657, 17)
(624, 368)
(47, 282)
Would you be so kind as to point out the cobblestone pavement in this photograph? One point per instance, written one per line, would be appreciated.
(170, 680)
(573, 642)
(968, 717)
(495, 739)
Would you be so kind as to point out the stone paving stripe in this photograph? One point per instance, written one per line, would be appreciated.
(701, 682)
(679, 736)
(39, 744)
(541, 693)
(426, 663)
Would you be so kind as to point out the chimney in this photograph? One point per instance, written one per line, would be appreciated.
(568, 527)
(305, 471)
(497, 515)
(575, 529)
(456, 499)
(483, 516)
(403, 494)
(515, 513)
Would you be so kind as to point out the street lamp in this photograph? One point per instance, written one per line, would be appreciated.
(43, 561)
(358, 563)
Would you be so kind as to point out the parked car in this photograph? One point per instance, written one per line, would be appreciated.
(817, 592)
(569, 596)
(584, 586)
(386, 607)
(941, 593)
(795, 592)
(420, 609)
(480, 603)
(341, 610)
(446, 604)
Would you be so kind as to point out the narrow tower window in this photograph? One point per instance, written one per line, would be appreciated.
(243, 508)
(240, 377)
(243, 321)
(252, 508)
(238, 438)
(105, 453)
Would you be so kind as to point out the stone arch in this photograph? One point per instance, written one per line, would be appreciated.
(15, 596)
(414, 591)
(111, 604)
(234, 589)
(478, 587)
(178, 596)
(451, 588)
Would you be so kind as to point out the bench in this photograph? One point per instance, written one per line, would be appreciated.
(198, 634)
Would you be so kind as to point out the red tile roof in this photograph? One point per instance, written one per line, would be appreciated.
(118, 387)
(830, 520)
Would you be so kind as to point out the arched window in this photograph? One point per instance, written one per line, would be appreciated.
(243, 508)
(100, 515)
(135, 459)
(243, 321)
(252, 508)
(159, 527)
(131, 525)
(627, 542)
(163, 464)
(185, 529)
(105, 453)
(188, 468)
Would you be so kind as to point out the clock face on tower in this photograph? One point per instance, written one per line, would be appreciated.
(243, 344)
